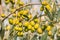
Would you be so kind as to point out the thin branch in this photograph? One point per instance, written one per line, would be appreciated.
(21, 8)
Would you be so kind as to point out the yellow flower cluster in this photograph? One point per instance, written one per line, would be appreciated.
(7, 1)
(32, 26)
(18, 28)
(20, 33)
(21, 19)
(44, 2)
(8, 27)
(3, 15)
(13, 1)
(49, 28)
(46, 5)
(22, 24)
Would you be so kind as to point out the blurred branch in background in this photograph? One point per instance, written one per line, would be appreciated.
(24, 6)
(21, 8)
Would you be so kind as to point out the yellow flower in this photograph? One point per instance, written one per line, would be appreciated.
(3, 15)
(44, 3)
(7, 1)
(17, 6)
(21, 3)
(10, 20)
(18, 14)
(32, 29)
(29, 27)
(36, 20)
(23, 16)
(41, 8)
(48, 7)
(48, 28)
(12, 10)
(20, 29)
(15, 21)
(14, 15)
(20, 18)
(21, 12)
(51, 10)
(16, 28)
(20, 33)
(20, 24)
(30, 16)
(49, 33)
(25, 12)
(36, 26)
(7, 27)
(26, 23)
(17, 1)
(39, 30)
(32, 23)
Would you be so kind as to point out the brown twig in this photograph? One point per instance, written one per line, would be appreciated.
(21, 8)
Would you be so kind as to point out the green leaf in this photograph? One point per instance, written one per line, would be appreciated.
(54, 31)
(2, 29)
(40, 0)
(11, 31)
(58, 15)
(54, 7)
(44, 37)
(58, 38)
(15, 38)
(48, 14)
